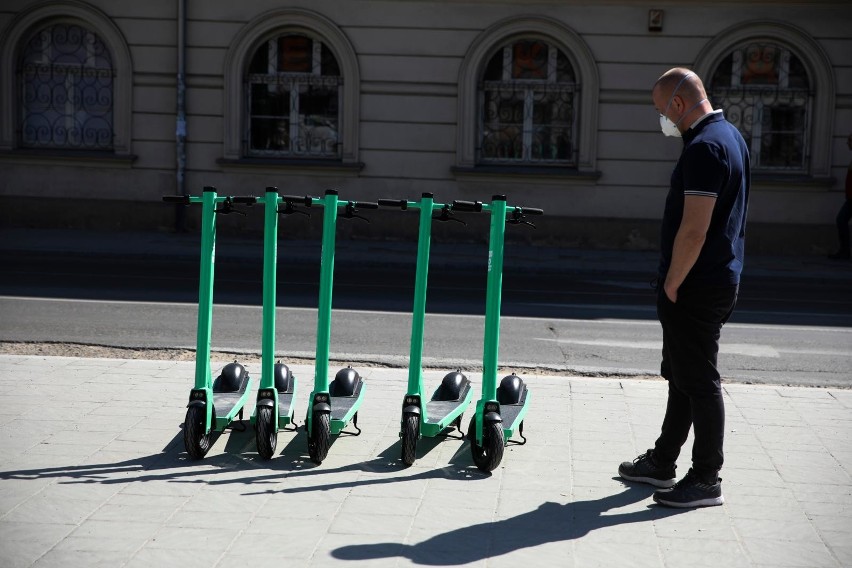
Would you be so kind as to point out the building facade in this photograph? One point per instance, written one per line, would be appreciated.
(105, 105)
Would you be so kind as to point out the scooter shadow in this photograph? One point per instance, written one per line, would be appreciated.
(388, 462)
(236, 463)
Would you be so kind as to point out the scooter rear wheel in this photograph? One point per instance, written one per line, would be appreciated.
(320, 439)
(266, 435)
(489, 455)
(195, 440)
(410, 433)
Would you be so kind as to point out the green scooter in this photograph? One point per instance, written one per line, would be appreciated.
(502, 408)
(332, 405)
(213, 403)
(277, 389)
(453, 396)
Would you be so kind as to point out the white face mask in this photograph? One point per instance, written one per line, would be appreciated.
(668, 127)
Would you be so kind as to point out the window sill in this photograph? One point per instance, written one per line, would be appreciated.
(83, 158)
(536, 173)
(328, 167)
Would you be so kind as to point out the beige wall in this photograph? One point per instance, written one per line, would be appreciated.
(409, 54)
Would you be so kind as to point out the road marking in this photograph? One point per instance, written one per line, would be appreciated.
(590, 322)
(726, 348)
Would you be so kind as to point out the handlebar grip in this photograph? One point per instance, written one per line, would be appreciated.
(365, 205)
(474, 206)
(184, 199)
(244, 199)
(305, 200)
(531, 211)
(401, 203)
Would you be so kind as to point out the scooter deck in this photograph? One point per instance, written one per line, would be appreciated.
(513, 414)
(440, 414)
(229, 404)
(343, 408)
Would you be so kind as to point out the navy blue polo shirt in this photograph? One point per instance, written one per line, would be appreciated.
(715, 163)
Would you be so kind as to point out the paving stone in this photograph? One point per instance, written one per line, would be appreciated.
(100, 488)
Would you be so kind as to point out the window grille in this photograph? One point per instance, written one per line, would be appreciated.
(528, 104)
(765, 92)
(293, 100)
(65, 76)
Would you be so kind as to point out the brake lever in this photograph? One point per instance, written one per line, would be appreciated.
(228, 208)
(518, 219)
(447, 215)
(349, 213)
(289, 209)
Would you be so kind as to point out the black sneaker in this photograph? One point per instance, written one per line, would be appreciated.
(643, 469)
(691, 491)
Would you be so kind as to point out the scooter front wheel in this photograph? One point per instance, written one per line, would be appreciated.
(320, 439)
(195, 440)
(489, 455)
(266, 435)
(410, 433)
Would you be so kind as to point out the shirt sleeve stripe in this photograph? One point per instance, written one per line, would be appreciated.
(696, 192)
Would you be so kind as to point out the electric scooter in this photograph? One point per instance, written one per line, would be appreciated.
(502, 408)
(213, 403)
(332, 405)
(277, 390)
(453, 396)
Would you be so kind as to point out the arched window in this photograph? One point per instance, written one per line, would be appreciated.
(65, 87)
(776, 83)
(528, 105)
(293, 99)
(65, 84)
(528, 102)
(292, 87)
(765, 91)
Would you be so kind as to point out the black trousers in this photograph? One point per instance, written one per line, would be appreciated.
(691, 330)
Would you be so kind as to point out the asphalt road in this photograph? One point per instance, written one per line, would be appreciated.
(786, 330)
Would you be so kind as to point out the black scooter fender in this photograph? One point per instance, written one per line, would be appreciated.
(200, 403)
(411, 409)
(321, 407)
(265, 402)
(490, 417)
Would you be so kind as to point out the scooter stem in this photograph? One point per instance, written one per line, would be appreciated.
(205, 289)
(270, 260)
(415, 365)
(329, 225)
(493, 297)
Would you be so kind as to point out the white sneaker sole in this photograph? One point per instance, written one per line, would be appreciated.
(711, 502)
(662, 483)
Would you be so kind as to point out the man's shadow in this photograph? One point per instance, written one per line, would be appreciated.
(550, 522)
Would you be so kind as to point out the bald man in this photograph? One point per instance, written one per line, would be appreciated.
(702, 241)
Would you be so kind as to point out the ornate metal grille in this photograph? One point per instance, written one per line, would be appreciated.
(765, 92)
(528, 106)
(293, 100)
(65, 78)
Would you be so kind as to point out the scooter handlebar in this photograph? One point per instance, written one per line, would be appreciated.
(184, 199)
(305, 200)
(244, 199)
(531, 211)
(472, 206)
(401, 203)
(365, 205)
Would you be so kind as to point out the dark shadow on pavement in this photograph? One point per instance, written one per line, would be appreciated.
(173, 465)
(550, 522)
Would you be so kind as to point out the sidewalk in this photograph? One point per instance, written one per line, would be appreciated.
(93, 473)
(535, 259)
